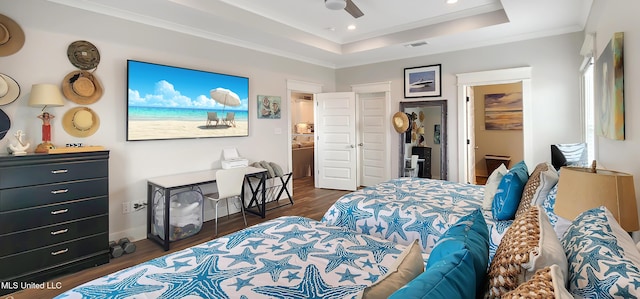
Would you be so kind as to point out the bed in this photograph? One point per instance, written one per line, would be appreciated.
(287, 257)
(406, 209)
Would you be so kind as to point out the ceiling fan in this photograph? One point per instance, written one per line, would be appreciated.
(347, 5)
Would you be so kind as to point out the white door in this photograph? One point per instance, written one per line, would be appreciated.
(471, 136)
(372, 139)
(335, 145)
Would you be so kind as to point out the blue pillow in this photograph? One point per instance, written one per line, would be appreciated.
(469, 233)
(448, 278)
(507, 198)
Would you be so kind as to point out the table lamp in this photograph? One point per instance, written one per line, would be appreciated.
(582, 189)
(43, 95)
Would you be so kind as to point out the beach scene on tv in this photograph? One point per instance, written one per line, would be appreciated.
(167, 102)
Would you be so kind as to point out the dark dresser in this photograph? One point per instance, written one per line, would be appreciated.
(54, 215)
(424, 168)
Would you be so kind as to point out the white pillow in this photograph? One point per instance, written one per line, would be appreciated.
(491, 186)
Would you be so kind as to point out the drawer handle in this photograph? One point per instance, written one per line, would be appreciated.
(62, 231)
(60, 251)
(59, 212)
(59, 171)
(59, 191)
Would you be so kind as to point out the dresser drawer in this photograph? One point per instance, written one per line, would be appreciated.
(49, 235)
(28, 175)
(52, 214)
(20, 198)
(54, 255)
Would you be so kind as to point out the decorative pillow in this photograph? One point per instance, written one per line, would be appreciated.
(545, 283)
(446, 279)
(469, 233)
(491, 186)
(559, 224)
(603, 260)
(507, 198)
(528, 245)
(542, 179)
(410, 267)
(277, 170)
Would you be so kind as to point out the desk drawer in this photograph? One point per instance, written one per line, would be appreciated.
(45, 236)
(21, 198)
(28, 175)
(52, 214)
(28, 261)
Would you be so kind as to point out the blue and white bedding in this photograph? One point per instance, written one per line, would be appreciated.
(288, 257)
(406, 209)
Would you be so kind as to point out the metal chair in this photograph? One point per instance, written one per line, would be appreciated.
(413, 167)
(229, 182)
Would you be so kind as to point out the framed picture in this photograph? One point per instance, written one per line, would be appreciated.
(503, 111)
(269, 106)
(422, 81)
(609, 83)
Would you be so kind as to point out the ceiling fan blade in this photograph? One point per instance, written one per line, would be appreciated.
(353, 10)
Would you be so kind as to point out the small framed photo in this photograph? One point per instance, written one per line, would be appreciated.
(268, 106)
(422, 81)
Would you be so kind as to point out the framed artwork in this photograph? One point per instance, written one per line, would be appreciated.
(503, 111)
(609, 84)
(422, 81)
(269, 106)
(171, 102)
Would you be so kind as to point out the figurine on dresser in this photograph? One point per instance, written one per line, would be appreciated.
(19, 148)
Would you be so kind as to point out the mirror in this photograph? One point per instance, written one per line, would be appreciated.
(426, 137)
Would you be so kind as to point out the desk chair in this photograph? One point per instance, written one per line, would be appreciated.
(413, 167)
(229, 182)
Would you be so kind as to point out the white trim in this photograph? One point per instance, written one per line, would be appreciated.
(520, 74)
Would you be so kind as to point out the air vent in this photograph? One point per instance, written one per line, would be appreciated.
(416, 44)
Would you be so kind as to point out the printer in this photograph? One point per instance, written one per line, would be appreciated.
(232, 160)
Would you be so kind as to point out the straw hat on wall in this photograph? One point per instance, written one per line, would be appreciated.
(400, 122)
(11, 36)
(82, 87)
(80, 122)
(9, 89)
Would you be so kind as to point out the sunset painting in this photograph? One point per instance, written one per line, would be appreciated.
(503, 111)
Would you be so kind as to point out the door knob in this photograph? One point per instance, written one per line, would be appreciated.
(360, 144)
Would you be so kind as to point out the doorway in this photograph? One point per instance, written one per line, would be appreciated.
(496, 127)
(466, 154)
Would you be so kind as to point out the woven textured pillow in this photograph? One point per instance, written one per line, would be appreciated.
(546, 283)
(540, 182)
(528, 245)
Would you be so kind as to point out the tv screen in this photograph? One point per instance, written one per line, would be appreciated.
(168, 102)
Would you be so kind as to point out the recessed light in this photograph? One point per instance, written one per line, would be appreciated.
(330, 28)
(351, 27)
(452, 1)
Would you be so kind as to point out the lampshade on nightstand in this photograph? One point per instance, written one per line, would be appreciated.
(43, 95)
(580, 189)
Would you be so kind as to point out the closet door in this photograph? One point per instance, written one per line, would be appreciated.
(336, 148)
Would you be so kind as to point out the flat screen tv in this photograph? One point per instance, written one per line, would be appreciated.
(168, 102)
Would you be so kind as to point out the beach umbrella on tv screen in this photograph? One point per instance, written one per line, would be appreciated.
(225, 97)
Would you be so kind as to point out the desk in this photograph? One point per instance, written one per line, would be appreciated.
(166, 184)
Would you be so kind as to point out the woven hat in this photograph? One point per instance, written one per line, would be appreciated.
(5, 124)
(83, 54)
(400, 122)
(11, 36)
(9, 89)
(80, 122)
(82, 87)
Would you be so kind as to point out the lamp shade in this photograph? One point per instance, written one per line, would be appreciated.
(43, 95)
(580, 189)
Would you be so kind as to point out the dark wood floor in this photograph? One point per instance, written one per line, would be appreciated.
(308, 202)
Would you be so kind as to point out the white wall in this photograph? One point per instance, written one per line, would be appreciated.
(606, 18)
(43, 60)
(555, 62)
